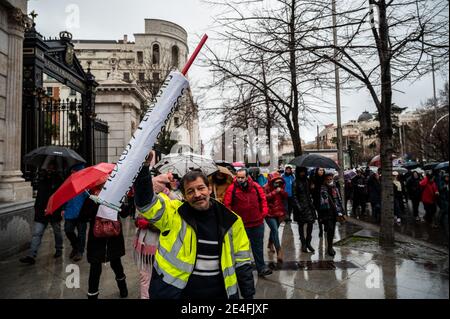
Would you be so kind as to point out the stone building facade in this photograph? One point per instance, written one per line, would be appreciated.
(16, 203)
(140, 66)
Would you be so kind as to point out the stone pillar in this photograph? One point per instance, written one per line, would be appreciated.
(12, 186)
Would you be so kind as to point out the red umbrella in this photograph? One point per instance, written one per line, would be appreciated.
(376, 160)
(77, 183)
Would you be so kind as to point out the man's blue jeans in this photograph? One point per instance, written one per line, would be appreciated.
(256, 237)
(38, 232)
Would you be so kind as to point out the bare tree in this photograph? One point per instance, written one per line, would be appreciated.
(428, 136)
(381, 43)
(261, 55)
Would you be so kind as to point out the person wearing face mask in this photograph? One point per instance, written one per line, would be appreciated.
(276, 195)
(219, 182)
(49, 182)
(330, 209)
(247, 199)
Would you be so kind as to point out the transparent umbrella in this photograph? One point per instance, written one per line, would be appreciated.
(182, 163)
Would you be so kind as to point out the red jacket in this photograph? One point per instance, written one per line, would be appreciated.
(250, 204)
(275, 200)
(429, 190)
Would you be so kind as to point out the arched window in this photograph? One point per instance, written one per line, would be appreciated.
(175, 55)
(155, 53)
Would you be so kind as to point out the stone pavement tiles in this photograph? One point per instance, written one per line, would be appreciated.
(360, 269)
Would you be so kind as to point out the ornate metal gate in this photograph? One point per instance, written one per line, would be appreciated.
(49, 121)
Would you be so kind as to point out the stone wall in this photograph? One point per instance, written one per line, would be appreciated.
(16, 203)
(16, 227)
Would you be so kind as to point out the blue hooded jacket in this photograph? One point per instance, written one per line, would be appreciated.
(72, 207)
(289, 183)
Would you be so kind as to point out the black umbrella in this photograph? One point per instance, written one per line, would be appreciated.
(314, 160)
(63, 156)
(430, 166)
(410, 165)
(441, 166)
(225, 164)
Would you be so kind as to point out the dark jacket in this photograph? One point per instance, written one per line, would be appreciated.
(47, 185)
(413, 188)
(304, 211)
(330, 203)
(374, 188)
(316, 184)
(101, 250)
(250, 204)
(443, 198)
(359, 186)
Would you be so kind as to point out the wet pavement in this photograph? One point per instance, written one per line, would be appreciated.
(360, 269)
(415, 229)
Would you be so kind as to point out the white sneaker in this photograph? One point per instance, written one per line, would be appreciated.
(418, 219)
(398, 220)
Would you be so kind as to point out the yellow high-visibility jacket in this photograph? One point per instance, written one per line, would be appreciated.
(177, 251)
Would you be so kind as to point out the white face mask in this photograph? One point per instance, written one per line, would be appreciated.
(330, 184)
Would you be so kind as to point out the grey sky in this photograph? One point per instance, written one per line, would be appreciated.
(102, 19)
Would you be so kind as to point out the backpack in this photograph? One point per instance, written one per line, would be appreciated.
(233, 194)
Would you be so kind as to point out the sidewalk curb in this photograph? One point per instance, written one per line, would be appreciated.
(398, 236)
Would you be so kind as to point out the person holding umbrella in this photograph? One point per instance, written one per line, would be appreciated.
(48, 183)
(304, 211)
(104, 249)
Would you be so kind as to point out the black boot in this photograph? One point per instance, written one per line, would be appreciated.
(92, 295)
(301, 232)
(304, 246)
(308, 245)
(330, 250)
(309, 237)
(122, 284)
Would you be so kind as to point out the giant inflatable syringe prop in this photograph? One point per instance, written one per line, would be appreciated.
(130, 162)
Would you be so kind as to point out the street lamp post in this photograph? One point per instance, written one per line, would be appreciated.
(338, 102)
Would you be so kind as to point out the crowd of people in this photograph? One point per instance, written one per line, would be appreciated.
(195, 234)
(410, 190)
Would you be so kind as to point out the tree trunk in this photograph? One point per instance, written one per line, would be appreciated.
(295, 134)
(386, 134)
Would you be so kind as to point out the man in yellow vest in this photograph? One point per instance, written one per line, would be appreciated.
(204, 251)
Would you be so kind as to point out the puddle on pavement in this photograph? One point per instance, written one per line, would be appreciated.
(312, 265)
